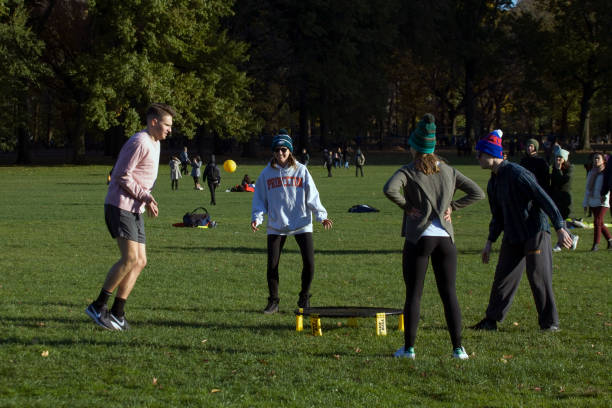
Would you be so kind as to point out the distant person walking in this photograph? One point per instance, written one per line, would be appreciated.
(597, 203)
(305, 157)
(518, 209)
(424, 190)
(212, 175)
(329, 163)
(175, 172)
(184, 158)
(196, 164)
(129, 195)
(286, 191)
(359, 162)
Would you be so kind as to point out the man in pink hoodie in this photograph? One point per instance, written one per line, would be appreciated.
(129, 195)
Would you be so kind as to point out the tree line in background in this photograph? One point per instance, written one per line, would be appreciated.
(80, 73)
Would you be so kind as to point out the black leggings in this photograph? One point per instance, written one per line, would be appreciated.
(444, 262)
(275, 246)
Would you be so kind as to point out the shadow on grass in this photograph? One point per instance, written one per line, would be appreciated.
(77, 183)
(263, 250)
(42, 323)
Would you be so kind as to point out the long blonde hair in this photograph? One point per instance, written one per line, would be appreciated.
(428, 163)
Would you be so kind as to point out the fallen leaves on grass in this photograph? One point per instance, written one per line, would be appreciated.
(45, 353)
(215, 390)
(337, 356)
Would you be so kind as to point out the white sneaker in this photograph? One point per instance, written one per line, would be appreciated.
(575, 239)
(557, 248)
(460, 353)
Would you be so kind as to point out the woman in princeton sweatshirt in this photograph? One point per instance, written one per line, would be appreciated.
(286, 192)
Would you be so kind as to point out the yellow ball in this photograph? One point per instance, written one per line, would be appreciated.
(229, 166)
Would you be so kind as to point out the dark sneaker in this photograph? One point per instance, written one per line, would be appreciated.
(485, 324)
(595, 248)
(271, 307)
(101, 318)
(304, 301)
(552, 328)
(119, 323)
(610, 245)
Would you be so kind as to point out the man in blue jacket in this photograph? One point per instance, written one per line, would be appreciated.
(519, 207)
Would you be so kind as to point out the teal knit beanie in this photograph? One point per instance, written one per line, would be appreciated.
(282, 139)
(423, 138)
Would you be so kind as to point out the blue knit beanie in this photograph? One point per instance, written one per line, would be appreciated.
(492, 144)
(282, 139)
(423, 139)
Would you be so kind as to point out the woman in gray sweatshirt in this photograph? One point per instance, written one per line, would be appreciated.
(424, 190)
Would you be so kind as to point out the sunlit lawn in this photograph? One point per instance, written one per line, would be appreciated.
(198, 337)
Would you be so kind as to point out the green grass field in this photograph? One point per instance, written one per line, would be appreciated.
(198, 338)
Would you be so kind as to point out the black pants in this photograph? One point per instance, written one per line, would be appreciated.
(212, 187)
(358, 167)
(534, 255)
(275, 246)
(415, 259)
(329, 167)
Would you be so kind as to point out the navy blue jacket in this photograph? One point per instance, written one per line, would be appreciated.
(519, 205)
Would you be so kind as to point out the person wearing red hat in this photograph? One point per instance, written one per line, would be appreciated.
(519, 207)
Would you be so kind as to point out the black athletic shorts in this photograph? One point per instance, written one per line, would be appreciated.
(124, 224)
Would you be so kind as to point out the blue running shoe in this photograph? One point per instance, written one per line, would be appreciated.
(119, 323)
(101, 318)
(460, 353)
(403, 353)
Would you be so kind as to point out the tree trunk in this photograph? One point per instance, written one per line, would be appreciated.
(249, 148)
(77, 135)
(114, 138)
(588, 90)
(563, 126)
(23, 146)
(469, 102)
(303, 142)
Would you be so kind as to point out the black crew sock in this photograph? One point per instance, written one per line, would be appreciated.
(118, 306)
(102, 299)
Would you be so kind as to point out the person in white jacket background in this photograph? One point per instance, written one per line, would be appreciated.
(598, 204)
(286, 192)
